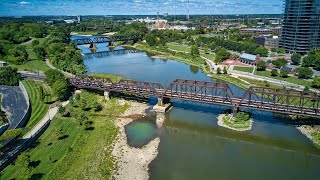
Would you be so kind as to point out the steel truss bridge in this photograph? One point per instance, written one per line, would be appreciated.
(108, 53)
(106, 39)
(286, 101)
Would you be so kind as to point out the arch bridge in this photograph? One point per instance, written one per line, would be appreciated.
(286, 101)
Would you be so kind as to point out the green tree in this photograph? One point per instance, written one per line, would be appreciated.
(151, 39)
(274, 72)
(35, 43)
(42, 94)
(281, 51)
(261, 66)
(262, 51)
(221, 55)
(22, 165)
(305, 73)
(279, 63)
(9, 76)
(218, 70)
(284, 74)
(309, 61)
(225, 71)
(199, 29)
(17, 55)
(61, 89)
(316, 82)
(195, 51)
(53, 76)
(296, 58)
(40, 52)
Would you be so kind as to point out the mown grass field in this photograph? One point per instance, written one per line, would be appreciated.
(67, 150)
(290, 79)
(187, 49)
(179, 47)
(38, 107)
(243, 69)
(33, 66)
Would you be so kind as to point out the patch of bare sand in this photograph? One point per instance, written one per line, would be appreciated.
(133, 162)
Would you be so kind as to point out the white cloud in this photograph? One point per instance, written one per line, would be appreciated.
(24, 2)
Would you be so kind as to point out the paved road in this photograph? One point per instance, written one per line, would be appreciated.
(50, 114)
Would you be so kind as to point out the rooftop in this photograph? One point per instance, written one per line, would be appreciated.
(250, 57)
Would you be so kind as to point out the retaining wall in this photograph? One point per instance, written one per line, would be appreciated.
(26, 117)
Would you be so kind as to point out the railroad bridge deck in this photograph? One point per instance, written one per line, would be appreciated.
(285, 101)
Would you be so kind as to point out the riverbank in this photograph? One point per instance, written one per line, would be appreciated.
(245, 126)
(204, 67)
(312, 133)
(132, 162)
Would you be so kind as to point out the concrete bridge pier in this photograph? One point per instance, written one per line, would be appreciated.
(235, 109)
(106, 95)
(163, 105)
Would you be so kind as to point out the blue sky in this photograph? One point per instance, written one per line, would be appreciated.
(137, 7)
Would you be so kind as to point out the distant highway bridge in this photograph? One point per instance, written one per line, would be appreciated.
(285, 101)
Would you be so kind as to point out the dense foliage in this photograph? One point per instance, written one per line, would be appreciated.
(304, 73)
(316, 82)
(62, 55)
(312, 59)
(60, 85)
(9, 76)
(239, 46)
(261, 66)
(296, 58)
(279, 63)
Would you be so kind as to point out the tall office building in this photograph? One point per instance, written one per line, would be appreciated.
(301, 26)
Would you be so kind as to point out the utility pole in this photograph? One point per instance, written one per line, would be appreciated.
(188, 16)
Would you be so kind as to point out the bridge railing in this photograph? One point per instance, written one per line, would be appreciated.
(277, 100)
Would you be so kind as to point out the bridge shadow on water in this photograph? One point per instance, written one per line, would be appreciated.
(257, 115)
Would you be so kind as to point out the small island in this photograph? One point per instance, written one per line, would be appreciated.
(242, 122)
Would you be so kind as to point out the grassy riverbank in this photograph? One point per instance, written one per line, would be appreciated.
(39, 107)
(113, 77)
(205, 68)
(290, 79)
(69, 150)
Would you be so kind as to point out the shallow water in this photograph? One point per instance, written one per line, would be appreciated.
(193, 146)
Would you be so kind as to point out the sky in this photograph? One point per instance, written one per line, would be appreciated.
(137, 7)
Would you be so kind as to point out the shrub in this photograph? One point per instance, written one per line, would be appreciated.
(9, 76)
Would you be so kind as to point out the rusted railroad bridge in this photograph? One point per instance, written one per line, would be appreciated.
(104, 39)
(285, 101)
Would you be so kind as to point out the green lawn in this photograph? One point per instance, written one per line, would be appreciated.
(290, 79)
(38, 108)
(243, 69)
(33, 66)
(187, 49)
(178, 47)
(68, 151)
(236, 125)
(212, 57)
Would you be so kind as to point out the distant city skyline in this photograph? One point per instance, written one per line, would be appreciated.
(137, 7)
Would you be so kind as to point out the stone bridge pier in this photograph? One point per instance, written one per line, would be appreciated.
(163, 105)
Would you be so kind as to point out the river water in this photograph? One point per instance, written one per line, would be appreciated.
(193, 146)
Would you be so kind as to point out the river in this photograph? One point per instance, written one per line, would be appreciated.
(193, 146)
